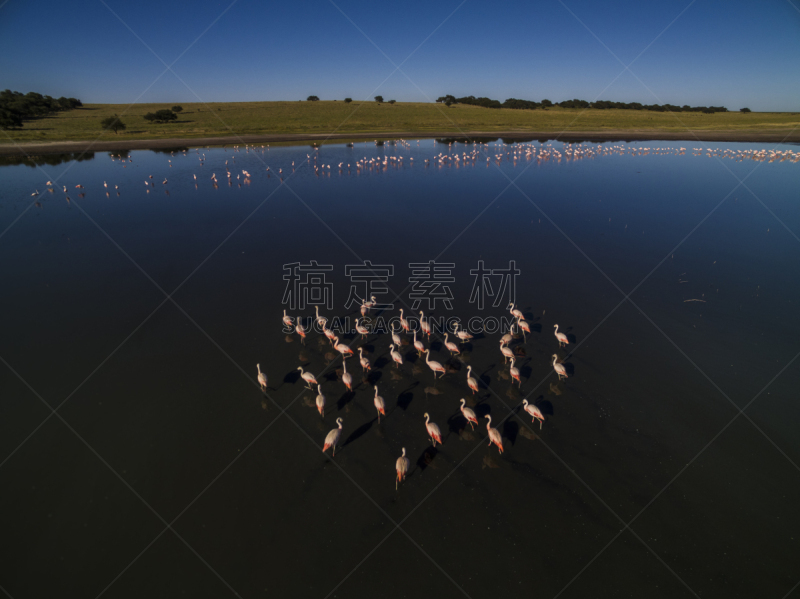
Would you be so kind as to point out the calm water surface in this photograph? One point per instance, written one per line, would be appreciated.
(140, 317)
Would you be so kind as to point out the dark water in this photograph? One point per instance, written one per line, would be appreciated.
(165, 471)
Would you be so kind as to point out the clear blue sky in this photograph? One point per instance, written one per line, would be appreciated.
(732, 53)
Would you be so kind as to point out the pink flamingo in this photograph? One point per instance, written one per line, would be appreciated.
(398, 359)
(262, 379)
(380, 405)
(515, 373)
(320, 401)
(463, 335)
(403, 322)
(307, 377)
(301, 331)
(365, 365)
(559, 368)
(402, 465)
(433, 431)
(507, 351)
(534, 412)
(329, 334)
(426, 326)
(361, 330)
(341, 347)
(332, 438)
(562, 338)
(287, 320)
(418, 345)
(494, 435)
(321, 320)
(364, 307)
(395, 337)
(525, 329)
(472, 382)
(347, 378)
(468, 413)
(435, 366)
(451, 346)
(515, 313)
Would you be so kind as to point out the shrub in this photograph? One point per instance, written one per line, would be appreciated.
(113, 123)
(312, 99)
(176, 109)
(379, 99)
(348, 100)
(161, 116)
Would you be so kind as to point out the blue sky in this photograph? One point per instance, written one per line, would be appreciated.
(731, 53)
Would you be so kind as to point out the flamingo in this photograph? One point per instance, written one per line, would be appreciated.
(507, 352)
(365, 365)
(320, 401)
(332, 438)
(364, 307)
(321, 320)
(494, 435)
(301, 331)
(451, 346)
(372, 302)
(463, 335)
(287, 320)
(398, 359)
(341, 347)
(562, 338)
(472, 382)
(508, 337)
(307, 377)
(534, 412)
(559, 368)
(418, 345)
(402, 465)
(433, 430)
(403, 321)
(329, 334)
(435, 366)
(515, 373)
(347, 378)
(426, 326)
(525, 328)
(514, 312)
(468, 413)
(395, 337)
(380, 405)
(262, 379)
(362, 330)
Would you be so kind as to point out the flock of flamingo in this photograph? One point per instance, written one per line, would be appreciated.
(333, 438)
(497, 152)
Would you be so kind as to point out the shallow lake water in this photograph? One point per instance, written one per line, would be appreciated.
(137, 308)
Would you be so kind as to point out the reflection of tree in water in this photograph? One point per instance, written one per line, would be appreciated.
(126, 152)
(46, 159)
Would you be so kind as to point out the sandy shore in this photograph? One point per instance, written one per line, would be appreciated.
(689, 137)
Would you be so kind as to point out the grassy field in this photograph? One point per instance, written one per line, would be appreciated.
(216, 119)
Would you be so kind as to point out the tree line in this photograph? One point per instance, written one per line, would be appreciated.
(601, 104)
(16, 107)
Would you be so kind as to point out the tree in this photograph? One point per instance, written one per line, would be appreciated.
(392, 101)
(113, 123)
(161, 116)
(348, 100)
(312, 99)
(176, 109)
(379, 99)
(745, 110)
(9, 118)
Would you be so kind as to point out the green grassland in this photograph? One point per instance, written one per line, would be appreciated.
(249, 118)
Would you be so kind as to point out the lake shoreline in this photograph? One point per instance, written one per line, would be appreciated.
(689, 137)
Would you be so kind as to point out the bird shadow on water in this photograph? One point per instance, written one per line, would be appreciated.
(359, 432)
(345, 399)
(405, 397)
(511, 430)
(426, 458)
(292, 377)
